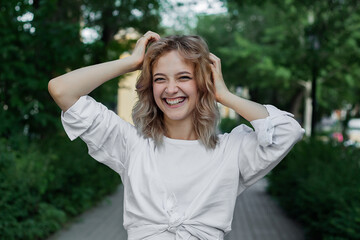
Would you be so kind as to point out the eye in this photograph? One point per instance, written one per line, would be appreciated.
(159, 79)
(185, 78)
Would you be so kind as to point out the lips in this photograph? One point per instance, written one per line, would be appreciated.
(174, 101)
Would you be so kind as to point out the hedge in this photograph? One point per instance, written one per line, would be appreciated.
(44, 185)
(319, 184)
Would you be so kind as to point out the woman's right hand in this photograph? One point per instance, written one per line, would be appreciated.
(140, 47)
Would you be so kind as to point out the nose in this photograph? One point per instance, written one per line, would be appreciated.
(171, 87)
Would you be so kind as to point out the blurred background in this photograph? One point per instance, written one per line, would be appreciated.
(301, 56)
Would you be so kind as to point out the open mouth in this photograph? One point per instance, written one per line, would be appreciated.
(174, 101)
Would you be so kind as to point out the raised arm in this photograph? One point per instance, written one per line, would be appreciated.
(247, 109)
(68, 88)
(259, 151)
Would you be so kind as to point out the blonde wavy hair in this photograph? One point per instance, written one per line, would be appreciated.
(147, 116)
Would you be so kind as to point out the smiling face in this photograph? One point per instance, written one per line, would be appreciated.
(174, 87)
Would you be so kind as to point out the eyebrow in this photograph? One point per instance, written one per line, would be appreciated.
(179, 73)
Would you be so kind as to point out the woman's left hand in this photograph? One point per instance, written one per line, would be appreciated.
(220, 87)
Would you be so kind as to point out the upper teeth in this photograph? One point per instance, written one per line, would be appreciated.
(174, 101)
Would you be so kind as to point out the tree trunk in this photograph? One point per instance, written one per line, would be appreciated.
(314, 101)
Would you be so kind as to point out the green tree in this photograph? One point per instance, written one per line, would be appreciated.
(36, 46)
(273, 45)
(41, 40)
(107, 18)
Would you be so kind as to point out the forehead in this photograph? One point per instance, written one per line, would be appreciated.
(172, 62)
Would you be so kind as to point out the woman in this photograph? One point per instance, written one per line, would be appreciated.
(180, 179)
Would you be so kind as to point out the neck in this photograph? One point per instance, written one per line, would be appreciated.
(183, 130)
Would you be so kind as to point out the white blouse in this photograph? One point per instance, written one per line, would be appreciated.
(181, 190)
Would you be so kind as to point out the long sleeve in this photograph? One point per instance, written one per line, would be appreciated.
(261, 150)
(108, 137)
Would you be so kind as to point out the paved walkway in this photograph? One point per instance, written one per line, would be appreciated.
(257, 217)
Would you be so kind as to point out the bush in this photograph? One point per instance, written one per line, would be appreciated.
(227, 124)
(42, 185)
(318, 183)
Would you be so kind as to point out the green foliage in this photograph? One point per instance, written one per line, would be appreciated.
(270, 46)
(33, 50)
(41, 40)
(318, 184)
(43, 185)
(227, 124)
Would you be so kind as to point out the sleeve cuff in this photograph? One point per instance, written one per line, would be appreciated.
(78, 118)
(264, 127)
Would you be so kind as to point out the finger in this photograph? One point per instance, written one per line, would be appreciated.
(149, 32)
(212, 59)
(157, 36)
(147, 39)
(213, 56)
(214, 70)
(215, 77)
(215, 60)
(152, 34)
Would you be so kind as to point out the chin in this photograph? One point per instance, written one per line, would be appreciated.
(177, 117)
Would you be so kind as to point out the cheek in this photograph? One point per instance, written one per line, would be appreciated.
(192, 88)
(157, 94)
